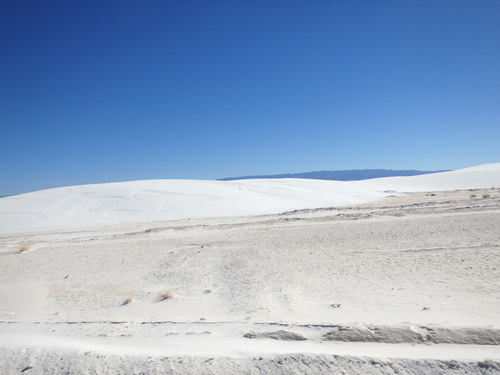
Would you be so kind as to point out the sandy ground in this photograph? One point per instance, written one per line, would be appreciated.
(407, 284)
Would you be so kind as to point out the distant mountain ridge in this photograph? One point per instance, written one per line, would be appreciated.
(345, 175)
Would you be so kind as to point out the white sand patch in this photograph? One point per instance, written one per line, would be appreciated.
(411, 280)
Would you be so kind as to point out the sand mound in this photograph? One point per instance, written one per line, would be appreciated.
(276, 335)
(38, 362)
(415, 334)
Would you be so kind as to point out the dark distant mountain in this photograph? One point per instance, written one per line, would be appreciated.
(349, 175)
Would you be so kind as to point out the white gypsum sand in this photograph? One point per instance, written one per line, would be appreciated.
(162, 200)
(303, 276)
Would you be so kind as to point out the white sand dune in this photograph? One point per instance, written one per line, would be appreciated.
(160, 200)
(375, 277)
(482, 176)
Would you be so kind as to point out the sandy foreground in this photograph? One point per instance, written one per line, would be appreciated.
(406, 284)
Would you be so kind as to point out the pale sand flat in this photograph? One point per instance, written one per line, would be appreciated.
(404, 284)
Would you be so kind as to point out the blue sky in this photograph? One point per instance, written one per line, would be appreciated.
(104, 91)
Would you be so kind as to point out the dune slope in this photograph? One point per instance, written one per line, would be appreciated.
(160, 200)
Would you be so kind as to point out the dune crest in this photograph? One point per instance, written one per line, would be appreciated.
(161, 200)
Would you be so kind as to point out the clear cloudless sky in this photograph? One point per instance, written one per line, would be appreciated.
(116, 90)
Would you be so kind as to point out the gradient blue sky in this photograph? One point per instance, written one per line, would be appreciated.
(103, 91)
